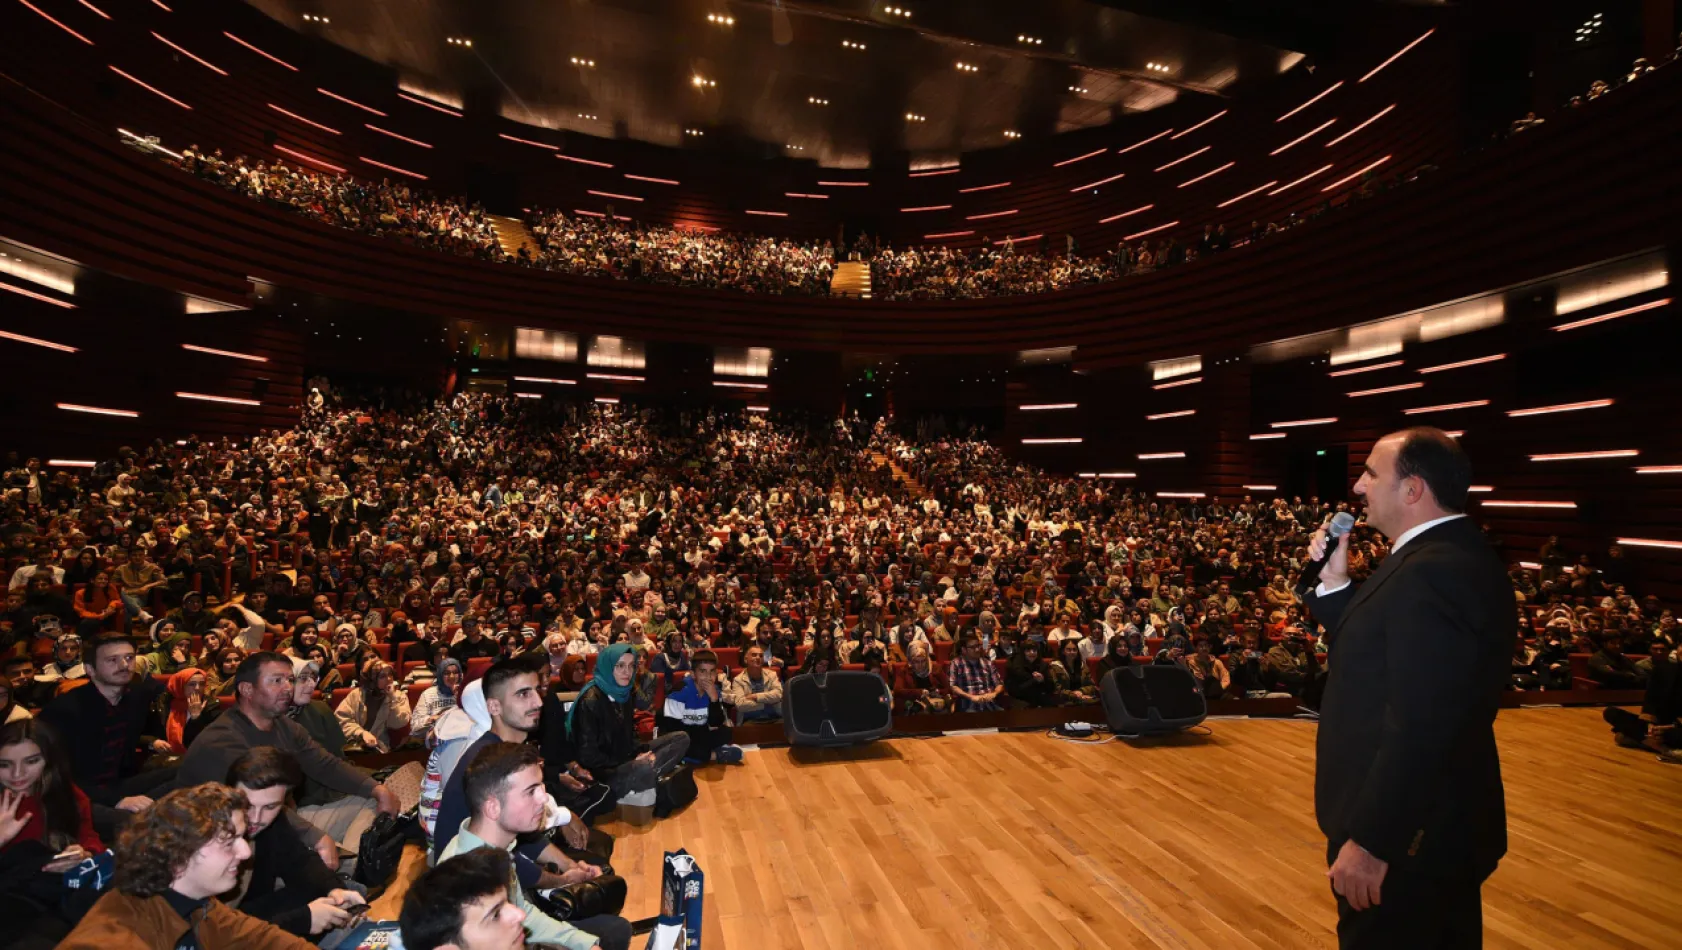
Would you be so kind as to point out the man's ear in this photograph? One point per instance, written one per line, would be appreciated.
(494, 707)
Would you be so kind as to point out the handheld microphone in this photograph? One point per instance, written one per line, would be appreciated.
(1341, 524)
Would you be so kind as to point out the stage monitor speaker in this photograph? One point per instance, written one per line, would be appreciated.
(839, 708)
(1152, 700)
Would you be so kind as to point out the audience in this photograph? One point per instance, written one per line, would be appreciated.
(697, 710)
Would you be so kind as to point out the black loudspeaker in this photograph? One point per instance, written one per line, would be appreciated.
(1152, 700)
(838, 708)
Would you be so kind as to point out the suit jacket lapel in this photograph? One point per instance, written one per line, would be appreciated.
(1385, 571)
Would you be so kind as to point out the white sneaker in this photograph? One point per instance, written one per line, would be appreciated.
(145, 617)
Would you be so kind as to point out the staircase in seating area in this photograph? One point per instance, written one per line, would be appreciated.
(912, 486)
(511, 233)
(852, 279)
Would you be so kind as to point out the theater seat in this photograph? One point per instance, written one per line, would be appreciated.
(943, 651)
(477, 666)
(729, 656)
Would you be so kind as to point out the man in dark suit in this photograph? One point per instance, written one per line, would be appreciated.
(1408, 785)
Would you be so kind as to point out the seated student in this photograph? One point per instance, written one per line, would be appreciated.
(974, 680)
(451, 736)
(1211, 674)
(1117, 655)
(42, 814)
(756, 692)
(672, 658)
(697, 709)
(506, 798)
(1028, 677)
(466, 903)
(286, 885)
(921, 685)
(1070, 675)
(374, 708)
(438, 699)
(1610, 668)
(177, 856)
(191, 709)
(26, 692)
(572, 785)
(10, 709)
(603, 729)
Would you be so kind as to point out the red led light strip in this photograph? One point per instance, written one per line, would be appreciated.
(1171, 415)
(584, 161)
(1398, 54)
(798, 194)
(95, 9)
(34, 296)
(37, 341)
(1182, 158)
(349, 102)
(1364, 369)
(1199, 125)
(1298, 140)
(1468, 404)
(294, 115)
(611, 194)
(1649, 305)
(308, 158)
(1649, 543)
(947, 234)
(1078, 158)
(1206, 174)
(991, 214)
(44, 15)
(202, 62)
(1384, 389)
(1178, 382)
(931, 174)
(1442, 367)
(1328, 90)
(201, 397)
(1528, 504)
(1577, 456)
(1303, 422)
(1562, 407)
(392, 168)
(1152, 456)
(1349, 178)
(1124, 151)
(98, 411)
(1376, 116)
(215, 352)
(152, 89)
(400, 138)
(657, 181)
(267, 56)
(965, 191)
(1102, 181)
(1247, 194)
(1283, 188)
(1140, 234)
(928, 208)
(845, 184)
(430, 105)
(1125, 214)
(768, 214)
(515, 138)
(1065, 441)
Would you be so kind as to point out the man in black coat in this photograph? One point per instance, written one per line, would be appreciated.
(1408, 786)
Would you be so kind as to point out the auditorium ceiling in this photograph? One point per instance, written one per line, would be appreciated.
(843, 83)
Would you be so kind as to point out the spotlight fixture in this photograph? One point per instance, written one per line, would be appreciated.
(585, 63)
(914, 117)
(1157, 67)
(459, 41)
(702, 82)
(1027, 40)
(849, 44)
(897, 11)
(313, 18)
(695, 132)
(720, 19)
(814, 100)
(1079, 89)
(796, 148)
(1012, 134)
(586, 115)
(967, 68)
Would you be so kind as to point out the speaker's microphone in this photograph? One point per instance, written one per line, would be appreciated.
(1341, 524)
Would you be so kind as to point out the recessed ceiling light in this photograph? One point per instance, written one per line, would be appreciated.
(1077, 89)
(720, 19)
(967, 68)
(316, 19)
(458, 41)
(586, 63)
(914, 117)
(701, 82)
(693, 132)
(1027, 40)
(814, 100)
(849, 44)
(586, 115)
(797, 148)
(897, 11)
(1012, 134)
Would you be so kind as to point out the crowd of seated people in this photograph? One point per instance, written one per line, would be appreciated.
(1600, 87)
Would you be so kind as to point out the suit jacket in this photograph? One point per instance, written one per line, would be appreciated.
(1419, 655)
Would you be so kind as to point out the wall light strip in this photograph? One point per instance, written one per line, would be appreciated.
(1151, 456)
(730, 384)
(1323, 94)
(1376, 116)
(928, 208)
(1579, 456)
(231, 400)
(584, 161)
(192, 56)
(546, 379)
(657, 181)
(845, 184)
(308, 158)
(615, 377)
(798, 194)
(768, 214)
(152, 89)
(1140, 234)
(1118, 474)
(392, 168)
(400, 138)
(1178, 413)
(1079, 158)
(1349, 178)
(532, 142)
(294, 115)
(1259, 436)
(1207, 174)
(1294, 423)
(1178, 382)
(43, 14)
(417, 100)
(991, 214)
(1064, 441)
(759, 408)
(1562, 407)
(1125, 214)
(1182, 158)
(70, 463)
(216, 352)
(1659, 470)
(36, 341)
(268, 56)
(1095, 184)
(1299, 139)
(1469, 404)
(96, 410)
(1283, 188)
(1481, 488)
(930, 174)
(349, 102)
(1044, 406)
(1385, 389)
(1141, 144)
(1649, 543)
(1398, 54)
(947, 234)
(1261, 487)
(1442, 367)
(1002, 184)
(1247, 194)
(612, 194)
(1365, 369)
(34, 296)
(1181, 135)
(1649, 305)
(1180, 494)
(1529, 504)
(608, 400)
(529, 395)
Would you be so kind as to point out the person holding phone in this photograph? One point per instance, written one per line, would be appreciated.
(46, 827)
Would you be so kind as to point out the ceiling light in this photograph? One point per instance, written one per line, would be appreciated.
(312, 18)
(459, 41)
(1012, 134)
(914, 117)
(849, 44)
(586, 115)
(897, 11)
(1081, 89)
(585, 63)
(720, 19)
(814, 100)
(967, 68)
(1028, 40)
(797, 148)
(693, 132)
(701, 82)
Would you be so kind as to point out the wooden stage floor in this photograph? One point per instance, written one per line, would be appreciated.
(1016, 840)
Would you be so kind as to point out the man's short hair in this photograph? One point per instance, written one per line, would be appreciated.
(160, 840)
(431, 915)
(500, 673)
(105, 643)
(487, 776)
(251, 668)
(265, 767)
(700, 657)
(1437, 458)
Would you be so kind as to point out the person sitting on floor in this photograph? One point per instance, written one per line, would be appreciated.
(603, 730)
(697, 709)
(1610, 668)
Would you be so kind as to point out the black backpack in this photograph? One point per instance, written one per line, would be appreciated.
(604, 895)
(380, 852)
(673, 791)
